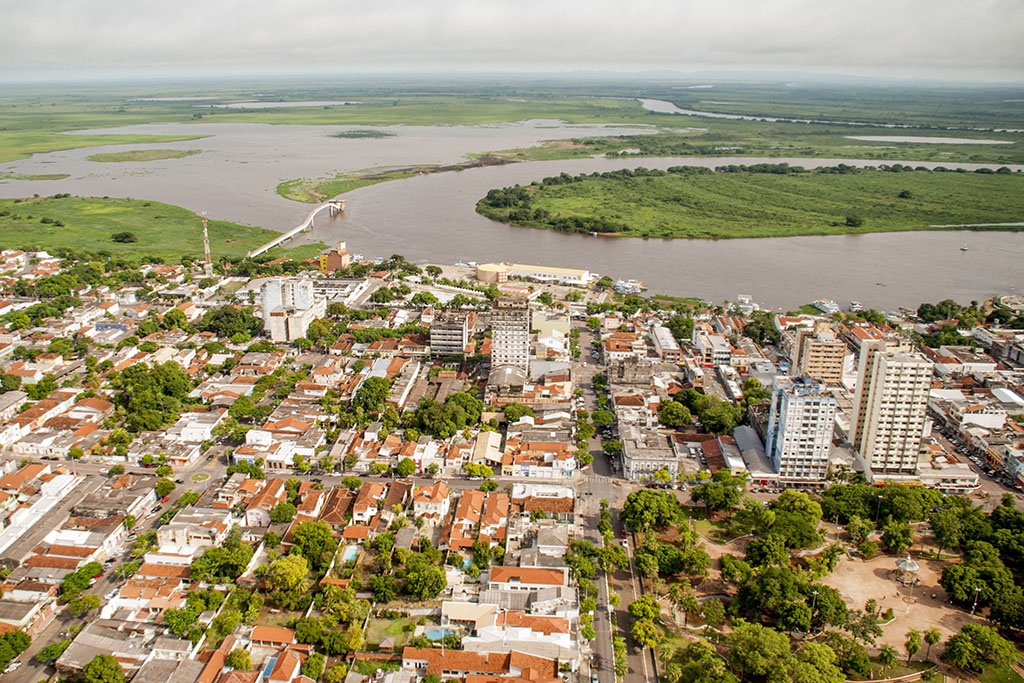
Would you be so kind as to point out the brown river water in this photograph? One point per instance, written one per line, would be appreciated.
(432, 218)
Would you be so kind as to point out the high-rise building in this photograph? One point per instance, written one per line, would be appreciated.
(822, 356)
(449, 334)
(510, 332)
(288, 307)
(800, 426)
(890, 412)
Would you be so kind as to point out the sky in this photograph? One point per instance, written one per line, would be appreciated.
(935, 39)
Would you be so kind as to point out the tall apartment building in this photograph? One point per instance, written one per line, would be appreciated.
(800, 426)
(891, 409)
(288, 307)
(821, 357)
(449, 334)
(510, 332)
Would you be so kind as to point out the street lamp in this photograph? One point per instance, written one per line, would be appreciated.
(814, 601)
(878, 506)
(977, 590)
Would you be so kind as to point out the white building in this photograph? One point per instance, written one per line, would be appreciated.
(890, 410)
(510, 333)
(800, 426)
(288, 307)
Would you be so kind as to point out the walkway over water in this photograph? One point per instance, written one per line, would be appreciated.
(335, 206)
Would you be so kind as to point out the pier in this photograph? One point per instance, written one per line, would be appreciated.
(335, 207)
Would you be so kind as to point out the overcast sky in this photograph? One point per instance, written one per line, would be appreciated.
(947, 39)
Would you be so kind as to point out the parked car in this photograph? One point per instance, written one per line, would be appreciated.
(623, 533)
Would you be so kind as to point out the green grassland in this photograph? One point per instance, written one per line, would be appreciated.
(87, 223)
(735, 205)
(33, 120)
(34, 176)
(312, 191)
(143, 155)
(957, 106)
(361, 134)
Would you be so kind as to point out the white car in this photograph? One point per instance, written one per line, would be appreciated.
(625, 543)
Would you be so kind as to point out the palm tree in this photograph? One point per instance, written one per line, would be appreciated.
(931, 636)
(887, 657)
(690, 607)
(913, 643)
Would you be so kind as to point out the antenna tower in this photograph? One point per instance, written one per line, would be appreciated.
(208, 268)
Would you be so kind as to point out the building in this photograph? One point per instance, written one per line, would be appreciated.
(665, 345)
(820, 355)
(335, 259)
(288, 307)
(501, 272)
(510, 333)
(449, 334)
(645, 452)
(800, 425)
(890, 409)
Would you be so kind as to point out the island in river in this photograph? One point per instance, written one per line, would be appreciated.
(761, 200)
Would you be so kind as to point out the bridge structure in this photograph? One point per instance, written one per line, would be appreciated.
(334, 206)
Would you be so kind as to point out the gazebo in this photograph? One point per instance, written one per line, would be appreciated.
(906, 571)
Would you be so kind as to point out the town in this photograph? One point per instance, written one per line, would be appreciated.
(347, 469)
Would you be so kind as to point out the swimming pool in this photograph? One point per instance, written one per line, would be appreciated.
(437, 633)
(350, 554)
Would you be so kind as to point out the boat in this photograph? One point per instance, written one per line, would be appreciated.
(963, 248)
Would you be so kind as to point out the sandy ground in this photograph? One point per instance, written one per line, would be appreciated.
(859, 581)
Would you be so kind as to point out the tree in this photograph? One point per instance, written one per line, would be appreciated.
(674, 414)
(282, 512)
(474, 469)
(612, 447)
(932, 636)
(286, 579)
(338, 672)
(384, 588)
(514, 411)
(714, 612)
(164, 487)
(352, 483)
(897, 536)
(854, 221)
(859, 529)
(228, 321)
(976, 647)
(372, 395)
(766, 551)
(602, 417)
(645, 607)
(722, 493)
(103, 669)
(947, 527)
(425, 582)
(912, 644)
(647, 633)
(50, 653)
(588, 632)
(644, 509)
(239, 659)
(83, 604)
(405, 467)
(313, 666)
(316, 543)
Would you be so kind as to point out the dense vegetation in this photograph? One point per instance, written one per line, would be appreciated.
(760, 200)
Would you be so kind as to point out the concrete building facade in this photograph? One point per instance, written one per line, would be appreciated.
(890, 410)
(510, 333)
(799, 434)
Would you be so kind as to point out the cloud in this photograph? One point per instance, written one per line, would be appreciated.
(935, 38)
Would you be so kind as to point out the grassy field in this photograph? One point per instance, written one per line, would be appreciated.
(163, 230)
(32, 120)
(401, 629)
(361, 134)
(33, 176)
(318, 189)
(143, 155)
(734, 205)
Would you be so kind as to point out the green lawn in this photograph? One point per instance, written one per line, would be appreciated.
(163, 230)
(735, 205)
(1001, 675)
(401, 629)
(320, 189)
(714, 530)
(900, 669)
(144, 155)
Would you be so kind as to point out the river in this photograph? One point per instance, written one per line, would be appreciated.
(432, 218)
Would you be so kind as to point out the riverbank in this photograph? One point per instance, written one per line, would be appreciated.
(687, 202)
(321, 189)
(145, 228)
